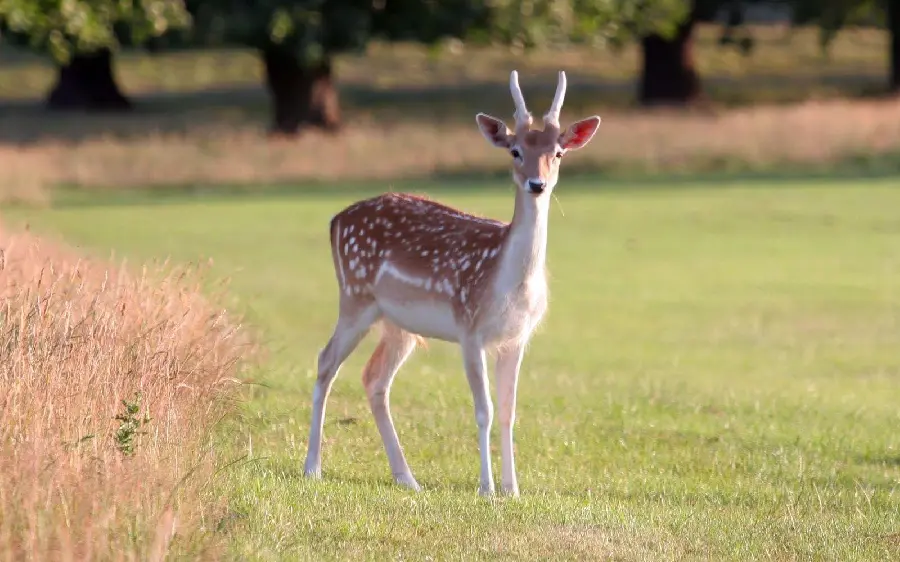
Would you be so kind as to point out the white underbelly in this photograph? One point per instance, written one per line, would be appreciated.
(428, 319)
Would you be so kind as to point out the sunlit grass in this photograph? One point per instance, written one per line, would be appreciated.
(110, 382)
(716, 379)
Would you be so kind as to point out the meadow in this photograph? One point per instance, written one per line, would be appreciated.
(716, 378)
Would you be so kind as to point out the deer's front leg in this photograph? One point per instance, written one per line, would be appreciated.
(509, 360)
(476, 373)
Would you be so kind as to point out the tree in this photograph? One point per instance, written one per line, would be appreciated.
(893, 22)
(297, 40)
(669, 75)
(833, 15)
(81, 36)
(664, 29)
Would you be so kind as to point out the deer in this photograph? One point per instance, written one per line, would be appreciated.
(425, 270)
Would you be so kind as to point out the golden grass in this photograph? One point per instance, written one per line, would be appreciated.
(762, 137)
(77, 337)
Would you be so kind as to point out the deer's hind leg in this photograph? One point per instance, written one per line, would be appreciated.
(395, 347)
(355, 319)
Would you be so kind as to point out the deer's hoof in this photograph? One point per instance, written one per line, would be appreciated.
(407, 481)
(486, 490)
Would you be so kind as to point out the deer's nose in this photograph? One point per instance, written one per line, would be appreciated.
(536, 185)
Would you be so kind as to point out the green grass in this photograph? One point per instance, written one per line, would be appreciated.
(717, 378)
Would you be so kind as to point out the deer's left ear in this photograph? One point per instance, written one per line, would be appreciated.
(579, 134)
(494, 130)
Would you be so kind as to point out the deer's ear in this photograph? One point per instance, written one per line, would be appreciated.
(494, 130)
(579, 134)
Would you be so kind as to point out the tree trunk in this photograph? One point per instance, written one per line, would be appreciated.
(669, 75)
(87, 83)
(301, 95)
(893, 21)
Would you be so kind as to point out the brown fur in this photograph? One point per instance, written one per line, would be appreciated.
(423, 239)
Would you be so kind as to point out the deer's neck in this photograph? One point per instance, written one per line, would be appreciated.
(525, 247)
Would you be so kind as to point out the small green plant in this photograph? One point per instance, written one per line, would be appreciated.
(130, 425)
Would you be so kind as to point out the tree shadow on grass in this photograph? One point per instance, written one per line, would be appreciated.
(247, 107)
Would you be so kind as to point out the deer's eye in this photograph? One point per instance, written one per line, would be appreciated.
(559, 154)
(515, 153)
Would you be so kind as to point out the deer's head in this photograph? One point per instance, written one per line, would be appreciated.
(536, 154)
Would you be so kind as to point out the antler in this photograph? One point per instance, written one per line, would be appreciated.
(552, 116)
(523, 117)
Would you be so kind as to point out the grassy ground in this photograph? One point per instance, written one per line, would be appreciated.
(716, 379)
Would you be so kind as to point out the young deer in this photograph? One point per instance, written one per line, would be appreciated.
(426, 270)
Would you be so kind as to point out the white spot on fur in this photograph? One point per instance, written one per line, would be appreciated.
(388, 268)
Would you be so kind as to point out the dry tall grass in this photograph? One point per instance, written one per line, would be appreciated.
(78, 337)
(753, 138)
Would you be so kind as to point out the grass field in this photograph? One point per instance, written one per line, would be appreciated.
(716, 378)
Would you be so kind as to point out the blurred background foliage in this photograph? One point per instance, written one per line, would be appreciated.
(297, 40)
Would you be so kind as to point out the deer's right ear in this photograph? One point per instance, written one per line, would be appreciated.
(494, 130)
